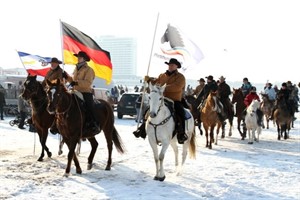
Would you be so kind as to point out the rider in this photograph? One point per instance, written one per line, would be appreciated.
(270, 91)
(224, 91)
(211, 86)
(55, 72)
(247, 101)
(175, 85)
(200, 87)
(246, 86)
(285, 92)
(82, 81)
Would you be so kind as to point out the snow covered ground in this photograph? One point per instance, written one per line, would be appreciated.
(233, 169)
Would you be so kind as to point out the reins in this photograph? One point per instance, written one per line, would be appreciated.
(162, 122)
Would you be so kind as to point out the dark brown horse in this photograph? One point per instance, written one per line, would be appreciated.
(210, 120)
(266, 107)
(238, 100)
(71, 120)
(282, 117)
(42, 120)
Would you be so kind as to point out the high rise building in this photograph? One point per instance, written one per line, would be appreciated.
(123, 52)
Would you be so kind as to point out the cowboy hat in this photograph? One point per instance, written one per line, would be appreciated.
(55, 60)
(174, 61)
(83, 55)
(210, 77)
(222, 78)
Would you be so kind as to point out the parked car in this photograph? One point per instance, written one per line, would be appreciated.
(126, 104)
(102, 93)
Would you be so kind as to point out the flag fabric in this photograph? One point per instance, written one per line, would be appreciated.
(75, 41)
(34, 64)
(171, 42)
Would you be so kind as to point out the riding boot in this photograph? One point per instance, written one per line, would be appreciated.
(181, 135)
(29, 120)
(141, 131)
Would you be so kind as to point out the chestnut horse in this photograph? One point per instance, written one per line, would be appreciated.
(238, 100)
(71, 120)
(210, 120)
(42, 120)
(266, 107)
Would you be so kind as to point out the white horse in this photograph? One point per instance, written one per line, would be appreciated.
(251, 121)
(159, 128)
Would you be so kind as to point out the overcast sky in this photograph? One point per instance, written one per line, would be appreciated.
(258, 39)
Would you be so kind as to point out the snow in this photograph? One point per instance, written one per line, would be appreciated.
(233, 169)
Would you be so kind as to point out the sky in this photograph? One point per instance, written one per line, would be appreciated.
(258, 39)
(233, 169)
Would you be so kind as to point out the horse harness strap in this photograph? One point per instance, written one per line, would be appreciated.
(161, 123)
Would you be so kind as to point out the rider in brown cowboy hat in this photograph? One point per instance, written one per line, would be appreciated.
(82, 81)
(175, 85)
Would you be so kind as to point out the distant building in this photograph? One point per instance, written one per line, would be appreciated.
(123, 52)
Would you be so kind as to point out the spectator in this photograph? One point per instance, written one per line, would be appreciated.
(2, 103)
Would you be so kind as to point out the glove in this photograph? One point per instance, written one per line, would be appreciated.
(146, 78)
(65, 75)
(73, 83)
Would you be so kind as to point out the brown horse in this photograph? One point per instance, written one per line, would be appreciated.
(238, 100)
(71, 118)
(266, 107)
(42, 120)
(210, 120)
(283, 118)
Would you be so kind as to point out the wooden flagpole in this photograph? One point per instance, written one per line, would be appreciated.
(144, 84)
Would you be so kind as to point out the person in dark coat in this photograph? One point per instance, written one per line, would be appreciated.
(2, 103)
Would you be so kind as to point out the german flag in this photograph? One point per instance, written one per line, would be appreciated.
(75, 41)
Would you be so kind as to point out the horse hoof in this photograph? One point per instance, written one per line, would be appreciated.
(40, 159)
(49, 154)
(223, 136)
(250, 142)
(78, 171)
(66, 174)
(107, 168)
(156, 178)
(89, 166)
(60, 152)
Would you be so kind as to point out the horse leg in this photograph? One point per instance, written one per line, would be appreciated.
(72, 156)
(211, 135)
(109, 144)
(162, 176)
(250, 138)
(61, 144)
(278, 131)
(175, 149)
(155, 155)
(94, 145)
(43, 139)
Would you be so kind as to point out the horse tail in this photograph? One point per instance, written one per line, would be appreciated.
(192, 146)
(117, 141)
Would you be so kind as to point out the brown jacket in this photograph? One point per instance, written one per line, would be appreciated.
(53, 74)
(85, 77)
(175, 84)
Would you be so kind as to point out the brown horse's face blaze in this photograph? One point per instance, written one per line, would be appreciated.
(53, 98)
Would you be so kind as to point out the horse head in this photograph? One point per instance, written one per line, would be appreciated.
(54, 90)
(31, 87)
(255, 104)
(156, 99)
(237, 95)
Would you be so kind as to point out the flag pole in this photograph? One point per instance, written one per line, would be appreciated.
(62, 44)
(144, 84)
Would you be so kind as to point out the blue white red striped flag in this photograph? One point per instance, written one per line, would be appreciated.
(35, 64)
